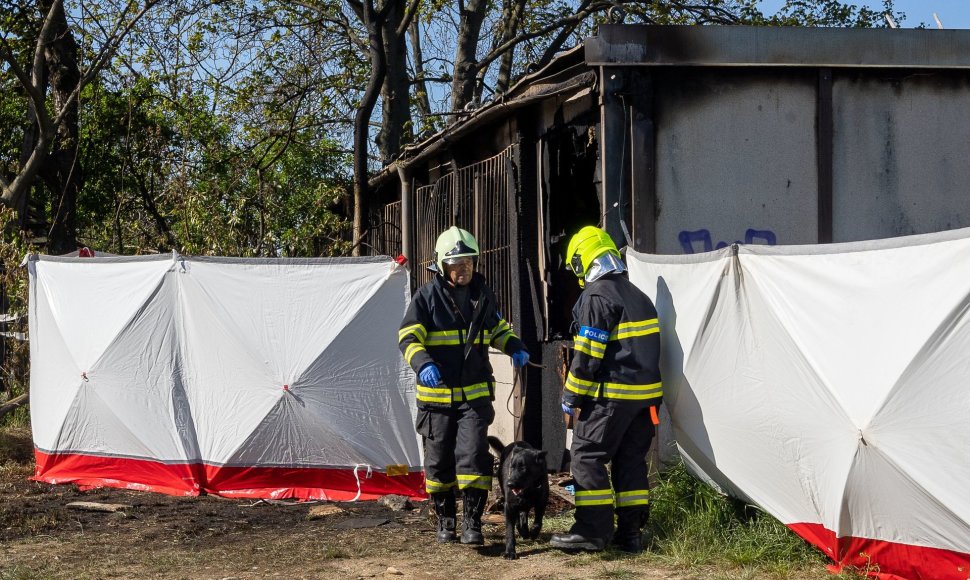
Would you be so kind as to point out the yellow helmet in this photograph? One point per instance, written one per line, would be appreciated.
(454, 243)
(588, 244)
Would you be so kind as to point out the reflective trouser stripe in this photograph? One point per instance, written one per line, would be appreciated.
(432, 486)
(594, 497)
(631, 498)
(476, 481)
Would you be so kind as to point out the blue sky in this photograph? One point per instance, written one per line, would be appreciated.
(953, 13)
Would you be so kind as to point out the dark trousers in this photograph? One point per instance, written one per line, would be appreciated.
(617, 432)
(455, 447)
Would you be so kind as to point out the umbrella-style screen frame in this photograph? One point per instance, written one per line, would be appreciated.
(830, 385)
(239, 377)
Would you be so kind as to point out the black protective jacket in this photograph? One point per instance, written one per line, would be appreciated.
(434, 330)
(616, 345)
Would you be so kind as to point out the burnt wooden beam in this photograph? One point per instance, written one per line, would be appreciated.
(643, 163)
(825, 127)
(614, 152)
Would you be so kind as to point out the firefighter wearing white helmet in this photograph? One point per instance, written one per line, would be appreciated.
(445, 337)
(612, 390)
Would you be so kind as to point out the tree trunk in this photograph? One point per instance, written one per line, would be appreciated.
(466, 69)
(375, 42)
(421, 99)
(395, 102)
(62, 172)
(508, 33)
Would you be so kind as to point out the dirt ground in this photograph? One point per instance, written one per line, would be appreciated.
(160, 536)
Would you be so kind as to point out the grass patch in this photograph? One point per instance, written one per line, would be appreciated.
(694, 525)
(20, 573)
(695, 528)
(334, 553)
(614, 572)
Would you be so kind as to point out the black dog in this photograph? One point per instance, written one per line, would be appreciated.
(524, 483)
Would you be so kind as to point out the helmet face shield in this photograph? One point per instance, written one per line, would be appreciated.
(459, 261)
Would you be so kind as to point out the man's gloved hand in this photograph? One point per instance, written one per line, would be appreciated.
(520, 358)
(567, 409)
(430, 376)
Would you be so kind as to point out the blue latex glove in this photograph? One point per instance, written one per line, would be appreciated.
(567, 409)
(520, 359)
(430, 376)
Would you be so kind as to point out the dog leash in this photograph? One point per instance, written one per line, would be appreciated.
(516, 373)
(519, 383)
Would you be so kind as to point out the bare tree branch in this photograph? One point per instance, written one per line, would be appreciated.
(412, 9)
(587, 8)
(103, 57)
(35, 88)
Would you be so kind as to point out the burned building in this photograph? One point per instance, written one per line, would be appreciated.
(681, 140)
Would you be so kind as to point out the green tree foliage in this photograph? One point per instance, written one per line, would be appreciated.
(209, 132)
(227, 127)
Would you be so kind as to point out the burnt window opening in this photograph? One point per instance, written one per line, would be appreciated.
(384, 236)
(479, 198)
(570, 200)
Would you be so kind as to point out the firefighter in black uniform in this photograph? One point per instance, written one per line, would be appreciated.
(445, 337)
(613, 390)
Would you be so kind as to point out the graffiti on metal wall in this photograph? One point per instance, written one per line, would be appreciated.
(694, 242)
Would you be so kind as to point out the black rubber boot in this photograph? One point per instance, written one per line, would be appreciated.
(471, 525)
(444, 507)
(629, 537)
(570, 541)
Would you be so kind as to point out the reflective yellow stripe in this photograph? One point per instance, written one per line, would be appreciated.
(417, 330)
(635, 328)
(443, 337)
(579, 386)
(432, 486)
(445, 395)
(413, 349)
(472, 392)
(594, 497)
(476, 481)
(501, 334)
(593, 349)
(434, 394)
(632, 392)
(501, 342)
(485, 338)
(634, 497)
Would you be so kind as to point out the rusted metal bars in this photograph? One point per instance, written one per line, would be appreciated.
(477, 198)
